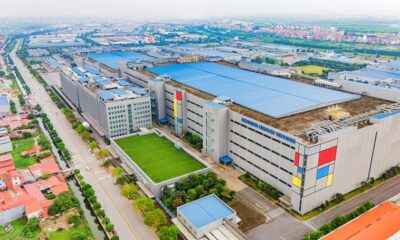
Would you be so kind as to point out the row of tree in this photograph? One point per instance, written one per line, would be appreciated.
(337, 222)
(58, 142)
(193, 187)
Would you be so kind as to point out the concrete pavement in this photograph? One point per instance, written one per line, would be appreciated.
(128, 223)
(279, 225)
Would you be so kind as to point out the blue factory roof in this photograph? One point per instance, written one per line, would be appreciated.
(106, 95)
(205, 210)
(266, 65)
(119, 92)
(378, 74)
(269, 95)
(137, 90)
(215, 105)
(111, 59)
(83, 79)
(103, 82)
(3, 100)
(123, 83)
(78, 71)
(92, 70)
(385, 115)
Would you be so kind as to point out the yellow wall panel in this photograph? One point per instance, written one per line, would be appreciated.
(296, 181)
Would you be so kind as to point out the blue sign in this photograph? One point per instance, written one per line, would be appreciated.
(268, 130)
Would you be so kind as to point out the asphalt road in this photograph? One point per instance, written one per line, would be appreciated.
(376, 195)
(280, 225)
(128, 223)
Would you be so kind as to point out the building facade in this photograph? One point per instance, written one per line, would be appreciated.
(113, 107)
(309, 166)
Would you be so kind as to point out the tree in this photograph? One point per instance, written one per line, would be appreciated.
(110, 227)
(129, 191)
(339, 197)
(78, 236)
(74, 219)
(64, 202)
(122, 180)
(85, 135)
(31, 226)
(92, 145)
(155, 218)
(102, 154)
(115, 237)
(144, 204)
(168, 232)
(117, 172)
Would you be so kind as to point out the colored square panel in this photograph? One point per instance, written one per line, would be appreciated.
(300, 170)
(322, 172)
(179, 95)
(326, 156)
(179, 120)
(175, 109)
(296, 181)
(296, 158)
(329, 180)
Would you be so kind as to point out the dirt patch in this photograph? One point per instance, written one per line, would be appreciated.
(60, 222)
(251, 217)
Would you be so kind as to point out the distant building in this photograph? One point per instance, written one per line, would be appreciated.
(269, 69)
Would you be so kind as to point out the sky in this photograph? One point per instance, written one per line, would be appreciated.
(198, 9)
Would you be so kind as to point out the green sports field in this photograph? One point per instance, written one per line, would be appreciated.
(158, 157)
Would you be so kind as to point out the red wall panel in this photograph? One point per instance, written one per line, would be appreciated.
(296, 158)
(179, 95)
(326, 156)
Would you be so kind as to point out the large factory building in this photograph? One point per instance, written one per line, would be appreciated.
(309, 142)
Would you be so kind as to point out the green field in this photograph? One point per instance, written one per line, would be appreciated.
(18, 147)
(17, 233)
(313, 69)
(158, 157)
(67, 234)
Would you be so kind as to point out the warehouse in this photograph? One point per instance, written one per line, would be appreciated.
(113, 107)
(111, 59)
(304, 140)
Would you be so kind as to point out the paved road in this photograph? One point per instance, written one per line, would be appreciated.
(280, 225)
(376, 195)
(128, 223)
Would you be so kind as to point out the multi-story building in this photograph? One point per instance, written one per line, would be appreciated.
(114, 107)
(308, 142)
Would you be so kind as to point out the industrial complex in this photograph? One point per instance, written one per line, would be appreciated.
(305, 140)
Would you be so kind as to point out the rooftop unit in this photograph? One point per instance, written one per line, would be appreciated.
(324, 127)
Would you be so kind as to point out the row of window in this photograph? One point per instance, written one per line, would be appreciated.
(262, 169)
(262, 134)
(260, 157)
(195, 131)
(195, 113)
(260, 145)
(136, 77)
(201, 125)
(198, 105)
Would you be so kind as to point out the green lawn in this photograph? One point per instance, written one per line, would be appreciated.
(18, 147)
(17, 233)
(67, 234)
(313, 69)
(158, 157)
